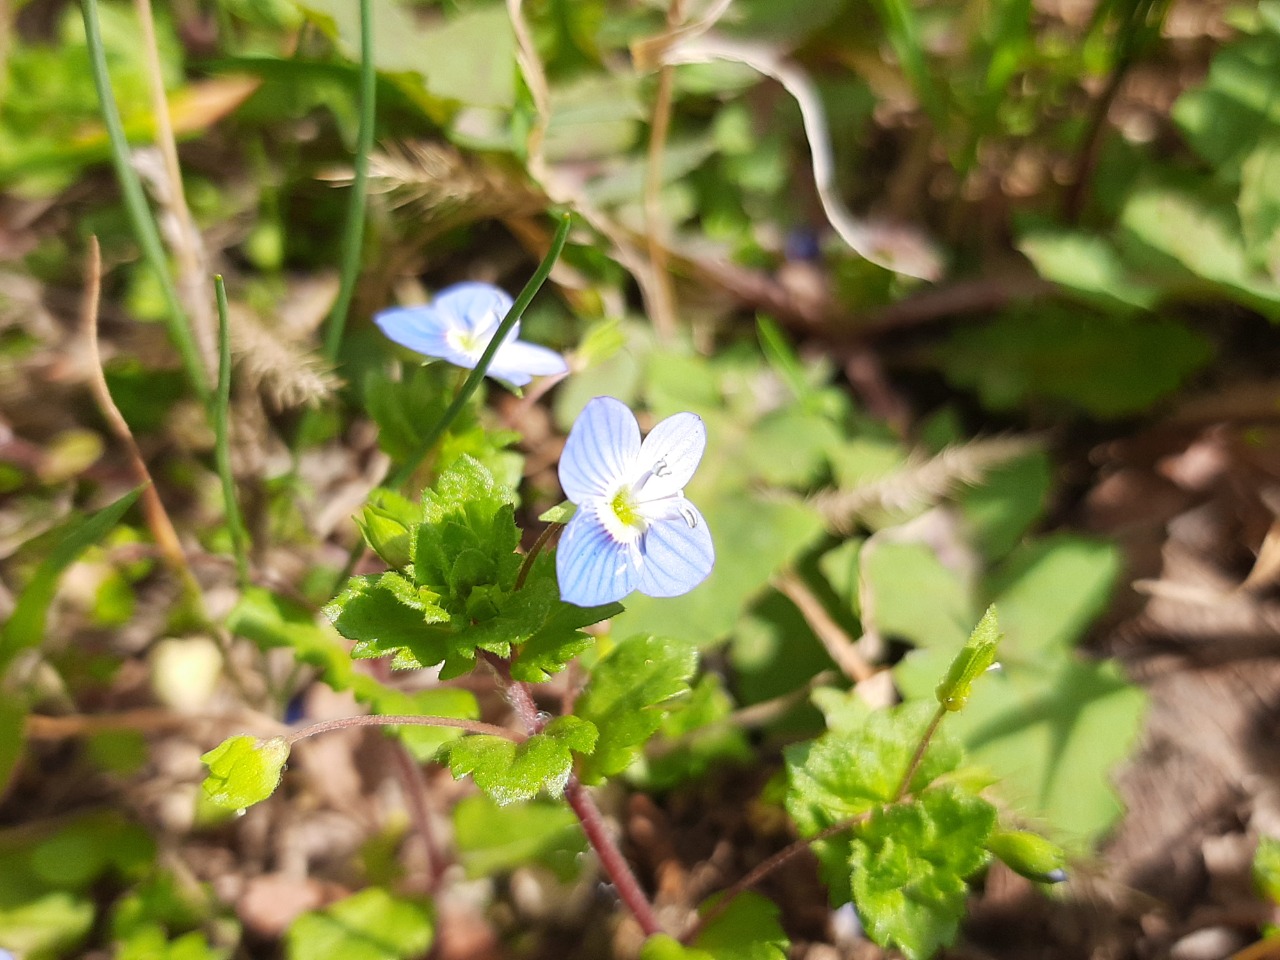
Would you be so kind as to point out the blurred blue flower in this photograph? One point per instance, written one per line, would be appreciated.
(633, 529)
(458, 325)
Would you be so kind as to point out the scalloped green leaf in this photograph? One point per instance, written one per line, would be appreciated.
(510, 772)
(849, 771)
(628, 695)
(370, 925)
(385, 615)
(908, 866)
(747, 930)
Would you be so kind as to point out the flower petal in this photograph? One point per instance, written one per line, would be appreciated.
(601, 450)
(677, 550)
(592, 567)
(479, 306)
(515, 358)
(670, 454)
(423, 330)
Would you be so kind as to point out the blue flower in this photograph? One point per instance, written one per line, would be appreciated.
(633, 529)
(458, 325)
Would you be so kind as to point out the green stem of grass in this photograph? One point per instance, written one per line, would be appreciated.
(140, 217)
(469, 385)
(353, 233)
(221, 426)
(406, 469)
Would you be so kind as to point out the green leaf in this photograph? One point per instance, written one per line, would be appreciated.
(560, 513)
(1012, 496)
(1088, 265)
(1107, 366)
(747, 930)
(493, 839)
(244, 770)
(385, 615)
(754, 537)
(25, 628)
(1266, 868)
(628, 696)
(1048, 724)
(1193, 225)
(1259, 205)
(696, 735)
(847, 772)
(973, 660)
(1239, 99)
(369, 925)
(47, 925)
(557, 637)
(509, 772)
(897, 575)
(13, 727)
(909, 864)
(424, 742)
(272, 621)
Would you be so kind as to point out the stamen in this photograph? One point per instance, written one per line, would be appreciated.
(690, 517)
(660, 469)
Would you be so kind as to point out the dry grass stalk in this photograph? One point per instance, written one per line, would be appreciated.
(162, 529)
(285, 371)
(920, 481)
(444, 187)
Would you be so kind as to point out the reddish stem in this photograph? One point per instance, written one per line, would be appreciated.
(611, 859)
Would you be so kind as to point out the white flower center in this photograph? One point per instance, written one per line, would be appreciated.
(621, 516)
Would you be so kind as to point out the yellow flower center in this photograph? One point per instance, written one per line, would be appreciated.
(624, 508)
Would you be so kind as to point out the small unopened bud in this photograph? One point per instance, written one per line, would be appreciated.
(1030, 855)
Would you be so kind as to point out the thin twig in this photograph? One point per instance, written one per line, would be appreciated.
(664, 306)
(415, 801)
(839, 646)
(766, 867)
(191, 275)
(611, 859)
(145, 720)
(379, 720)
(158, 522)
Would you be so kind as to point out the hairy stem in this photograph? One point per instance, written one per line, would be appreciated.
(918, 757)
(376, 720)
(579, 799)
(543, 539)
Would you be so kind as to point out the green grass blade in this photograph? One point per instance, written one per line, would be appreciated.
(353, 234)
(135, 201)
(222, 431)
(469, 386)
(25, 628)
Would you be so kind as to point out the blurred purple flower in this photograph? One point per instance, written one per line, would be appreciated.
(633, 529)
(458, 325)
